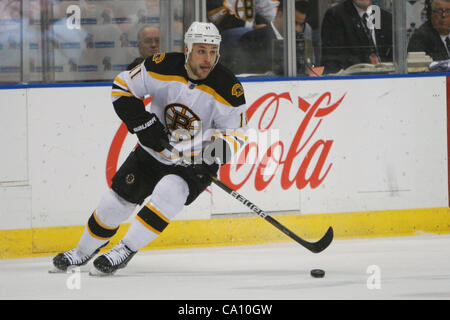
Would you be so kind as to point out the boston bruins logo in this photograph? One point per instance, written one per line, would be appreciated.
(245, 9)
(129, 179)
(182, 122)
(237, 90)
(157, 58)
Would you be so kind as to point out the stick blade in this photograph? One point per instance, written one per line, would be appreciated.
(321, 244)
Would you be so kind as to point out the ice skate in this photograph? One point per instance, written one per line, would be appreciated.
(65, 261)
(108, 263)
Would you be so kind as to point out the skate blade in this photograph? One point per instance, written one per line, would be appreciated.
(56, 270)
(70, 269)
(97, 273)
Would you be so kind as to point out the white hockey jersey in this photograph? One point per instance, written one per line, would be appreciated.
(187, 108)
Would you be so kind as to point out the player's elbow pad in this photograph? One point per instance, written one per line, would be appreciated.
(130, 110)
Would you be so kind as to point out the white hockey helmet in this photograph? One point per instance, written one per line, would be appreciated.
(202, 32)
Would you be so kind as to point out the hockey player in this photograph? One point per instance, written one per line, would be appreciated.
(234, 18)
(250, 14)
(191, 92)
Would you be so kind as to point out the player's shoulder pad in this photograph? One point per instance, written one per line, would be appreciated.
(171, 63)
(225, 83)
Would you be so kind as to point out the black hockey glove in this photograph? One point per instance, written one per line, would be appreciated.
(202, 173)
(204, 169)
(150, 131)
(213, 156)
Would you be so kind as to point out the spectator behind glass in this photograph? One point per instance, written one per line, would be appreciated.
(263, 48)
(148, 44)
(234, 18)
(347, 39)
(247, 14)
(432, 37)
(303, 32)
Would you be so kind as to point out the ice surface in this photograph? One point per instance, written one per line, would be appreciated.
(409, 268)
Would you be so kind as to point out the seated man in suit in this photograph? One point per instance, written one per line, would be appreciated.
(351, 35)
(433, 37)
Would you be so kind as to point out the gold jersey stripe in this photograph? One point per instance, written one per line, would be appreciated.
(145, 224)
(157, 212)
(181, 79)
(216, 96)
(121, 82)
(121, 93)
(164, 77)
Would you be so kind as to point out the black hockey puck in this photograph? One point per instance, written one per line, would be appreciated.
(317, 273)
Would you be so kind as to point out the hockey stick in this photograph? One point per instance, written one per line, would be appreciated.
(315, 247)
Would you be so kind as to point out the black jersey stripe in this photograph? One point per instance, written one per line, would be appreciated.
(116, 87)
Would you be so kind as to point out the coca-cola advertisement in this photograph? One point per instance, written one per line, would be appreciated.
(318, 148)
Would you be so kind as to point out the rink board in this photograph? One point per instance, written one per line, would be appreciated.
(239, 231)
(354, 151)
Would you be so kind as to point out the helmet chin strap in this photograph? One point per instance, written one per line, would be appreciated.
(190, 73)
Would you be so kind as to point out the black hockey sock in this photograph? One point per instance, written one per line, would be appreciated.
(98, 230)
